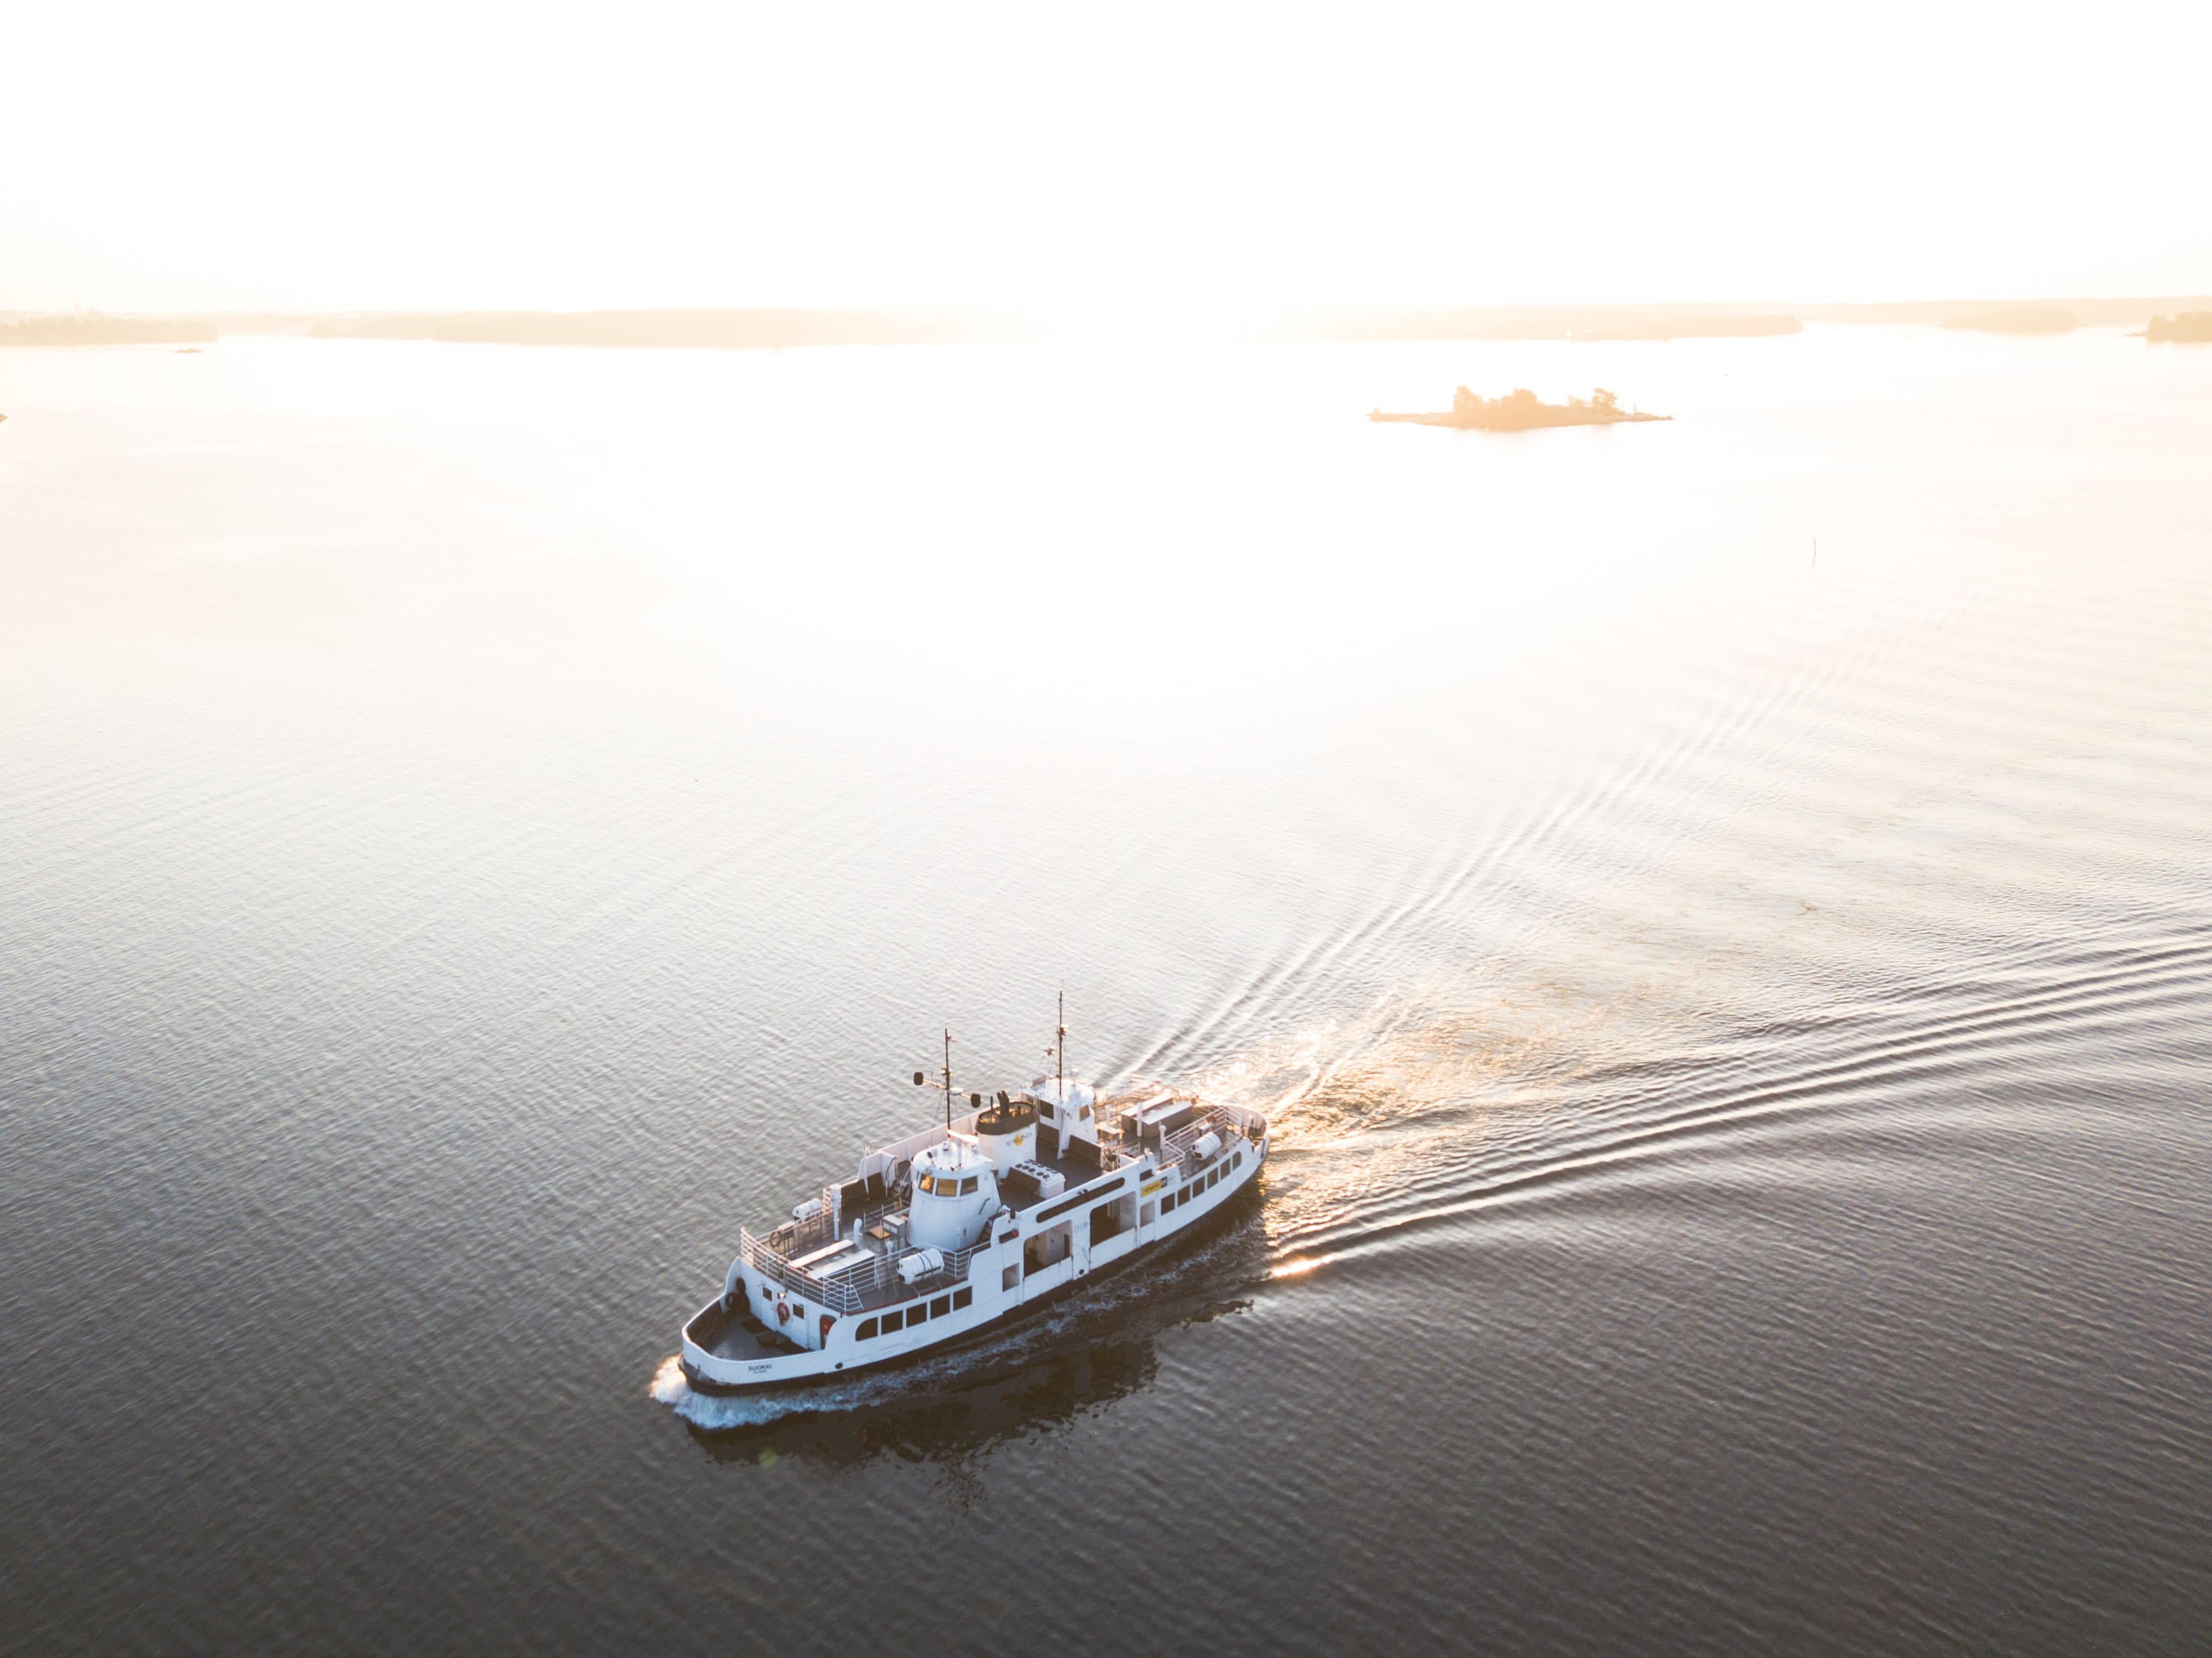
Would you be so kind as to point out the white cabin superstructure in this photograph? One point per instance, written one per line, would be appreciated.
(954, 1228)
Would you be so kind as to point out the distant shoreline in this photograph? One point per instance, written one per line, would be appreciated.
(2017, 319)
(1584, 324)
(1592, 324)
(95, 328)
(753, 329)
(775, 328)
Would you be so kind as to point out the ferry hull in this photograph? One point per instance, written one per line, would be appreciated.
(700, 1380)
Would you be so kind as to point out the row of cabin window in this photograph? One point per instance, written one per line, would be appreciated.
(943, 1184)
(1168, 1203)
(906, 1317)
(896, 1319)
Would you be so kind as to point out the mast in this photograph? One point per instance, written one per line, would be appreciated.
(948, 1080)
(1060, 1045)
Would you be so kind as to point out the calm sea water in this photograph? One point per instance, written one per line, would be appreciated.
(1720, 913)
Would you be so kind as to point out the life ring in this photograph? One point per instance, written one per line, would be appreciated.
(828, 1319)
(783, 1312)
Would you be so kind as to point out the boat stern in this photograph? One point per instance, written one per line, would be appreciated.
(725, 1351)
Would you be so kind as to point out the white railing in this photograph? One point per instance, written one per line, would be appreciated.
(1178, 1147)
(855, 1290)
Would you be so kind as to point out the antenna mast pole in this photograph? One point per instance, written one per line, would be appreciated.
(948, 1081)
(1060, 1045)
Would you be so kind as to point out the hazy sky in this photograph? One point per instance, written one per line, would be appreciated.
(234, 153)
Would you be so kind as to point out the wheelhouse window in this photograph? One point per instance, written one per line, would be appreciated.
(968, 1186)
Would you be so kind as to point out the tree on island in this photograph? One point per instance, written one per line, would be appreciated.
(1519, 401)
(2191, 327)
(1520, 410)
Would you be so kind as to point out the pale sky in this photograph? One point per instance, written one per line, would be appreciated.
(234, 154)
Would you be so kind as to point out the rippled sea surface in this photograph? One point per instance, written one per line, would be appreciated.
(1719, 912)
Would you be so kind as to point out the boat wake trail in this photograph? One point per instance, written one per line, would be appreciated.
(1412, 1122)
(717, 1413)
(1394, 1127)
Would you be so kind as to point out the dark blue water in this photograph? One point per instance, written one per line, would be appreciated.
(477, 826)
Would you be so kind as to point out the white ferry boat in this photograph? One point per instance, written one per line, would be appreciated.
(1022, 1200)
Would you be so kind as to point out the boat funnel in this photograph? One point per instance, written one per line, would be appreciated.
(1007, 1134)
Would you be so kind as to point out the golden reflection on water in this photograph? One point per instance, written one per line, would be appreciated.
(1589, 681)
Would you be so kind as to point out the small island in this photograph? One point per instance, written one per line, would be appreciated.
(2189, 328)
(1521, 410)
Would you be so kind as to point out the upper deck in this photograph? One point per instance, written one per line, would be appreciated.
(845, 1258)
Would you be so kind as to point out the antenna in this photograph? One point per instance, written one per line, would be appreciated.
(1060, 1045)
(921, 1078)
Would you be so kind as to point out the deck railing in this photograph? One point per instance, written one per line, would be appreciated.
(875, 1284)
(1180, 1146)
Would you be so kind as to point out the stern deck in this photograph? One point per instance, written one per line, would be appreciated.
(737, 1334)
